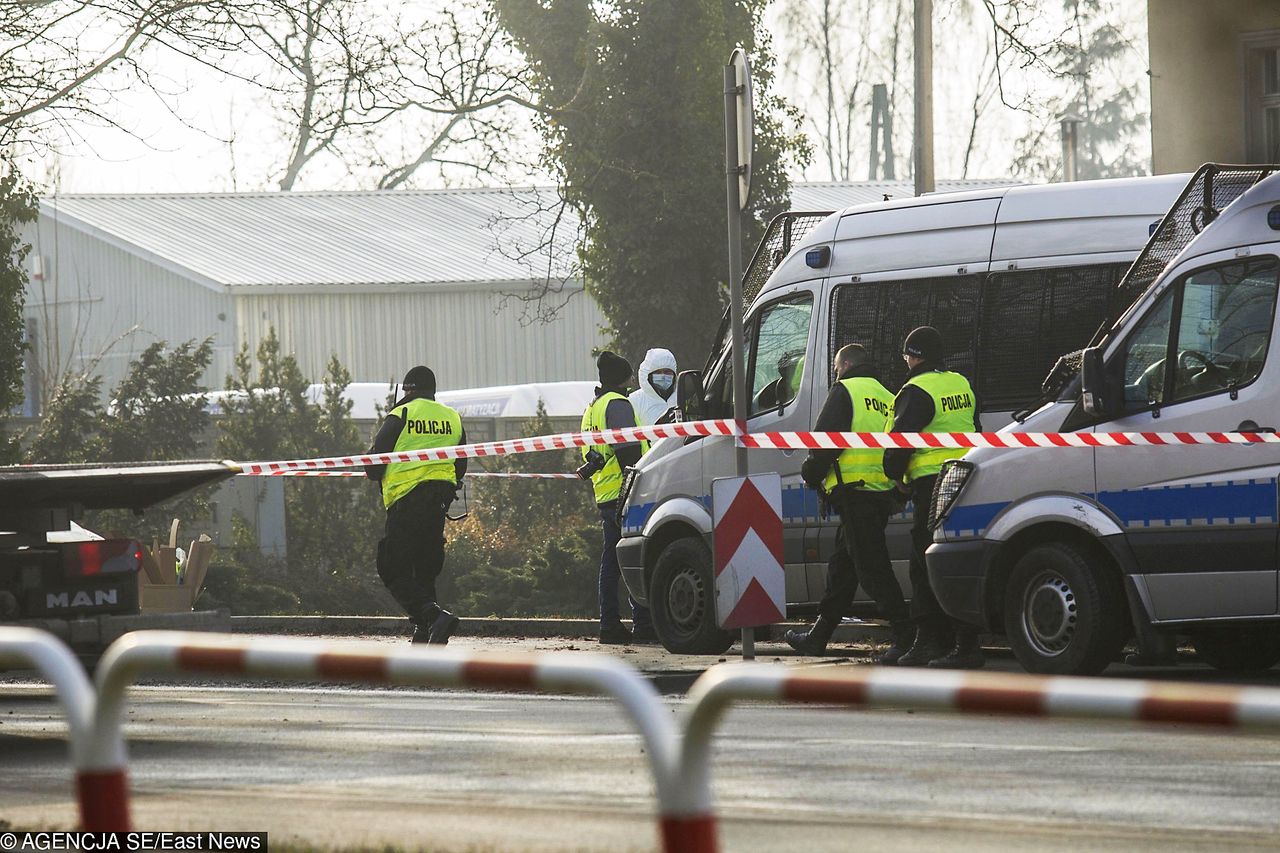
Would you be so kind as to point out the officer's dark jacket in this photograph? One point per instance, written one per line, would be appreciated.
(620, 415)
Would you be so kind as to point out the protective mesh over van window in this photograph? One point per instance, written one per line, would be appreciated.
(879, 315)
(1206, 195)
(783, 233)
(1030, 318)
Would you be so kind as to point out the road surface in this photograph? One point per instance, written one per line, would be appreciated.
(466, 771)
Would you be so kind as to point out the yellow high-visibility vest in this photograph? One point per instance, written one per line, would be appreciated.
(953, 411)
(427, 425)
(607, 482)
(872, 412)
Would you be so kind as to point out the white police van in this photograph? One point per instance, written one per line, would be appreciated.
(1012, 277)
(1072, 552)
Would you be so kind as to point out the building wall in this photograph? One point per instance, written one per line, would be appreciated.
(1197, 79)
(96, 298)
(468, 337)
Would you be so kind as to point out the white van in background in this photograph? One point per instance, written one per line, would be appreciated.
(1012, 277)
(1072, 552)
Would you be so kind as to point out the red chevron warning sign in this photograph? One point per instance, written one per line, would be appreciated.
(750, 584)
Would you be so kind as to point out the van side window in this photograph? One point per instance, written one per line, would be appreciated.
(777, 350)
(879, 315)
(1208, 333)
(1224, 328)
(1030, 318)
(1144, 357)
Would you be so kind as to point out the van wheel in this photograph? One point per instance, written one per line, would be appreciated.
(1238, 648)
(1061, 618)
(682, 600)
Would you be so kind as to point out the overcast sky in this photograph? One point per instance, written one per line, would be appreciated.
(237, 144)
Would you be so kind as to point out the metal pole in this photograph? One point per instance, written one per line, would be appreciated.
(733, 211)
(924, 97)
(1069, 148)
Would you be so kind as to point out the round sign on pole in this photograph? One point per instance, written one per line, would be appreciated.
(746, 124)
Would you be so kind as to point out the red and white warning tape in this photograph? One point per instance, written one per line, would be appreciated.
(506, 474)
(562, 441)
(999, 440)
(774, 441)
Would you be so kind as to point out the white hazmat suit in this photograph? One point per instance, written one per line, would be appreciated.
(648, 401)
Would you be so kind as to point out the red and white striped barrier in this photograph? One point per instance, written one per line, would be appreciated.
(96, 793)
(562, 441)
(998, 440)
(958, 692)
(775, 441)
(155, 652)
(515, 475)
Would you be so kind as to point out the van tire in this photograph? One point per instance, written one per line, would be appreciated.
(682, 600)
(1238, 648)
(1060, 617)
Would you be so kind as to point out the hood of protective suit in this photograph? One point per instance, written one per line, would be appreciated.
(646, 400)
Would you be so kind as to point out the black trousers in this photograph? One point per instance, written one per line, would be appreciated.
(925, 609)
(862, 556)
(411, 554)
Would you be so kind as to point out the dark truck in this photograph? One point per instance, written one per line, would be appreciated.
(86, 593)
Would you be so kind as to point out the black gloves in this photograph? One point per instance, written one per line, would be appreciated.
(813, 472)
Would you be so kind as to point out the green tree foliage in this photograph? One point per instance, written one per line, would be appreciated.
(527, 547)
(17, 207)
(157, 413)
(332, 528)
(1111, 104)
(68, 427)
(631, 93)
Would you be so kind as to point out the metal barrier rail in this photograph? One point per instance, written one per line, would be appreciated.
(28, 647)
(958, 692)
(156, 652)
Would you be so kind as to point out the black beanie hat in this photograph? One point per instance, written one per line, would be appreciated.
(421, 381)
(614, 369)
(924, 342)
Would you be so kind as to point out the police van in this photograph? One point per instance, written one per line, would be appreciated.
(1012, 277)
(1070, 552)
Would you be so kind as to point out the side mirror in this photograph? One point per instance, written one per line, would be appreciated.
(689, 395)
(1096, 395)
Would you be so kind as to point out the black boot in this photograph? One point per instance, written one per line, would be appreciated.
(435, 626)
(904, 635)
(932, 642)
(966, 655)
(614, 634)
(814, 641)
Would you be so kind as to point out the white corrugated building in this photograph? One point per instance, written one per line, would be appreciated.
(384, 280)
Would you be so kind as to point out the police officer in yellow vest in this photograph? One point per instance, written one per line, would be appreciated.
(933, 399)
(855, 483)
(417, 496)
(604, 465)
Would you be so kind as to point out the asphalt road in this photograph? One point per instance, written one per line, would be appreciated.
(466, 771)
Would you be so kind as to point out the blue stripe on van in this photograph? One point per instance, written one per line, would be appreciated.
(1202, 504)
(973, 520)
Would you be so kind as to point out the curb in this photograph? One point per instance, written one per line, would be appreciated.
(348, 626)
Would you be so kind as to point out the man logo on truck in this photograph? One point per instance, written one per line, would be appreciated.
(55, 600)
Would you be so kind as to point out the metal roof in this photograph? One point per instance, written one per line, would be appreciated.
(299, 239)
(369, 240)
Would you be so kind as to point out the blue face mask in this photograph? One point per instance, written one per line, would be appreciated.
(661, 381)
